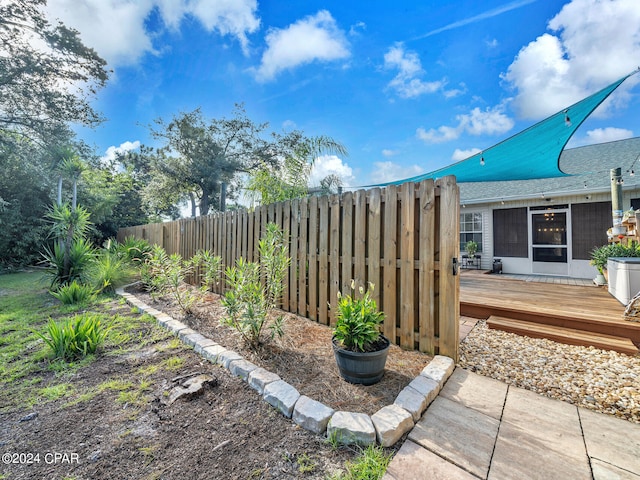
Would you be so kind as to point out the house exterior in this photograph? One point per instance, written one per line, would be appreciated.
(550, 226)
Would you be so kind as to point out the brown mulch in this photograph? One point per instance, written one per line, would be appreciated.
(303, 357)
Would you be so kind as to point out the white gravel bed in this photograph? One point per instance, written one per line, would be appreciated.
(601, 380)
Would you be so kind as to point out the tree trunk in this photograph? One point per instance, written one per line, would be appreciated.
(60, 190)
(74, 200)
(204, 203)
(192, 198)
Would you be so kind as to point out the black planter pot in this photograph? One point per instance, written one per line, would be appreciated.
(362, 368)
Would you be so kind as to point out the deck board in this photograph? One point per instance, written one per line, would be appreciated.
(569, 336)
(568, 306)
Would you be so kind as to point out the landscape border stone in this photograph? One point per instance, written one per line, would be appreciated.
(386, 426)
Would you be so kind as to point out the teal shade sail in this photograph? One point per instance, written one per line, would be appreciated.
(531, 154)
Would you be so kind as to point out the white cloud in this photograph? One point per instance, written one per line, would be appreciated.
(592, 43)
(493, 43)
(116, 28)
(464, 154)
(313, 38)
(355, 29)
(455, 92)
(388, 152)
(609, 134)
(112, 152)
(228, 17)
(331, 165)
(407, 83)
(388, 171)
(438, 135)
(491, 121)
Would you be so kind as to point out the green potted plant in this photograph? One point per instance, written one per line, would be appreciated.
(359, 347)
(600, 256)
(471, 248)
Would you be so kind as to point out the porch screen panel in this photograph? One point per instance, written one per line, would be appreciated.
(589, 225)
(510, 235)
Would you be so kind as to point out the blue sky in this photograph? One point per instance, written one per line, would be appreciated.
(406, 86)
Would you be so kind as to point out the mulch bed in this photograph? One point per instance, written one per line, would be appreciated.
(303, 357)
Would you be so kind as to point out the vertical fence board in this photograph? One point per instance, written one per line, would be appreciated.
(407, 256)
(323, 261)
(286, 230)
(360, 239)
(302, 258)
(334, 255)
(390, 261)
(312, 282)
(373, 244)
(426, 332)
(347, 242)
(293, 253)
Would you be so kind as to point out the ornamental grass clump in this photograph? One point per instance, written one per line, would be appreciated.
(75, 293)
(76, 337)
(357, 321)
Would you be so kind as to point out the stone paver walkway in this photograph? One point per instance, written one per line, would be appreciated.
(482, 428)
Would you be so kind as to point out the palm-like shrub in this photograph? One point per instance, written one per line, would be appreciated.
(65, 265)
(135, 250)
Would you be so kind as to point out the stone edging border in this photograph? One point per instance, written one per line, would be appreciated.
(386, 426)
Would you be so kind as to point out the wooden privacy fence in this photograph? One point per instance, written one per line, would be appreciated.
(403, 239)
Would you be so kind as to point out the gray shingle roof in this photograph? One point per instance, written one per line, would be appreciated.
(588, 165)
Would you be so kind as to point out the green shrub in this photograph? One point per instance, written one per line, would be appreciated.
(600, 255)
(165, 275)
(75, 337)
(135, 250)
(256, 289)
(175, 274)
(108, 271)
(74, 293)
(152, 270)
(80, 254)
(357, 320)
(208, 267)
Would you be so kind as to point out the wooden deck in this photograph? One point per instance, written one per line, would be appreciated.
(568, 307)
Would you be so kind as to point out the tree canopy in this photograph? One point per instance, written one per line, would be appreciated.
(47, 75)
(198, 156)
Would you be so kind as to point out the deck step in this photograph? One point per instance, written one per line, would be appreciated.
(569, 336)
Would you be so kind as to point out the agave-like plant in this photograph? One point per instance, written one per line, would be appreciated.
(63, 265)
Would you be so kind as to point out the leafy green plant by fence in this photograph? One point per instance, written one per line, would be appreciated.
(256, 289)
(357, 320)
(166, 275)
(76, 337)
(208, 267)
(108, 271)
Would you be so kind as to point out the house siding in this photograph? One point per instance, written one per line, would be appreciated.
(576, 268)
